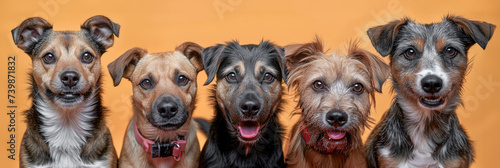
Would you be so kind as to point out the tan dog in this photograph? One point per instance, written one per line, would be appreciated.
(161, 133)
(334, 97)
(66, 125)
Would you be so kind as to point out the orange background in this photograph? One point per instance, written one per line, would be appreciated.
(162, 25)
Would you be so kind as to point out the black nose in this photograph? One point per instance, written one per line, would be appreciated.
(167, 109)
(432, 84)
(336, 118)
(250, 108)
(70, 78)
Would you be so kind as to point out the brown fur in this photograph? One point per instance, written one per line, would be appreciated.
(308, 63)
(36, 37)
(137, 64)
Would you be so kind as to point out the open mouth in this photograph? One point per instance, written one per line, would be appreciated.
(333, 141)
(68, 98)
(248, 131)
(431, 101)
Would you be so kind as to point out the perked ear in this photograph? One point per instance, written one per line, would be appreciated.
(193, 52)
(211, 61)
(29, 33)
(101, 31)
(383, 37)
(379, 70)
(124, 65)
(480, 32)
(296, 54)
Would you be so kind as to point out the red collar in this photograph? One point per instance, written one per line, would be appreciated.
(307, 137)
(160, 149)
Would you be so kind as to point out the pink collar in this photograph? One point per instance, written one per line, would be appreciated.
(160, 149)
(307, 137)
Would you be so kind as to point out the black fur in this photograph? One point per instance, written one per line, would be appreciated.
(223, 147)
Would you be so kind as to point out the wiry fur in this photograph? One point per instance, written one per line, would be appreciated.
(307, 64)
(224, 146)
(411, 134)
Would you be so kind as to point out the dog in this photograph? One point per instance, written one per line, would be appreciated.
(334, 98)
(66, 126)
(245, 131)
(161, 133)
(428, 63)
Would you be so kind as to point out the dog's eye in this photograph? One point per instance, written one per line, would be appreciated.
(450, 51)
(410, 53)
(49, 58)
(146, 84)
(231, 77)
(318, 85)
(268, 77)
(87, 57)
(357, 88)
(182, 80)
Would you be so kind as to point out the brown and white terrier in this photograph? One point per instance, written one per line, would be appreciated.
(161, 133)
(334, 98)
(66, 125)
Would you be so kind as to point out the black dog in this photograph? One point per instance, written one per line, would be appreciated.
(245, 131)
(429, 64)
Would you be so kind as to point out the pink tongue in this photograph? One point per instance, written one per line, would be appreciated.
(248, 132)
(336, 134)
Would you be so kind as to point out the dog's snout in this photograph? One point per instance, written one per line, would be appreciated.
(432, 84)
(250, 108)
(336, 118)
(250, 105)
(167, 109)
(69, 78)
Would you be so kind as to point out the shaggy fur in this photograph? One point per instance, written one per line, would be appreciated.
(328, 85)
(247, 96)
(429, 63)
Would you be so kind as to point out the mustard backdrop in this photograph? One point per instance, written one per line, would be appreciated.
(162, 25)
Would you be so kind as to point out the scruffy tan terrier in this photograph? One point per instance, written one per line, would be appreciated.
(334, 98)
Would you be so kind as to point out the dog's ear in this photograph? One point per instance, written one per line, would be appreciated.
(297, 54)
(29, 33)
(124, 65)
(193, 52)
(211, 61)
(380, 71)
(282, 62)
(480, 32)
(101, 31)
(383, 37)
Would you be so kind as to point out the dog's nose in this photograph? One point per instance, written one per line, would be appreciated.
(70, 78)
(432, 84)
(167, 109)
(250, 108)
(336, 118)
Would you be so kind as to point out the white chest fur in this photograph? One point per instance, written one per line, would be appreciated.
(66, 136)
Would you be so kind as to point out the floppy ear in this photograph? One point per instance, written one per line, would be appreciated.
(379, 70)
(101, 31)
(282, 62)
(124, 65)
(296, 54)
(383, 36)
(193, 52)
(29, 33)
(480, 32)
(211, 61)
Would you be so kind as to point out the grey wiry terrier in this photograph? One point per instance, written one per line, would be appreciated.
(429, 63)
(334, 98)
